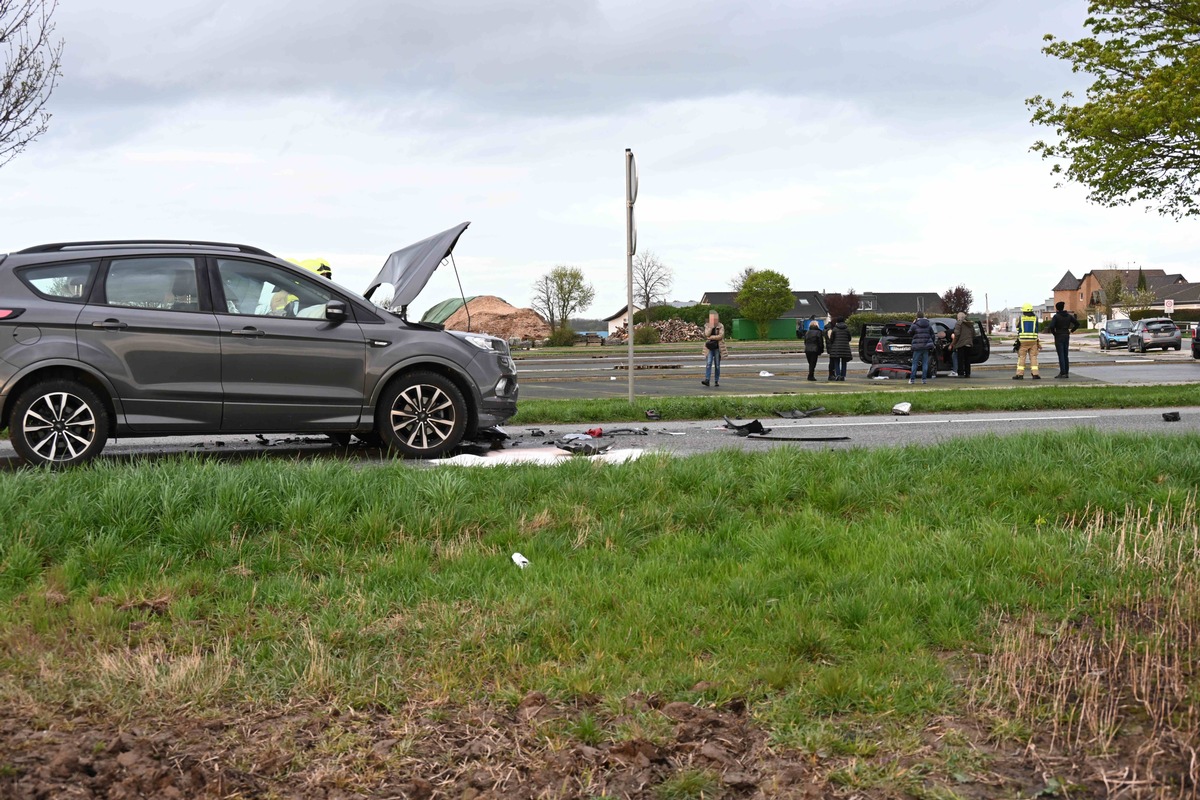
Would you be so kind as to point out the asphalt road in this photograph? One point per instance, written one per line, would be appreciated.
(596, 372)
(685, 437)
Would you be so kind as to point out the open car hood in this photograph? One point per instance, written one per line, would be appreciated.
(409, 269)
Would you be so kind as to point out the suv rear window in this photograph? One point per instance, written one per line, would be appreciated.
(66, 282)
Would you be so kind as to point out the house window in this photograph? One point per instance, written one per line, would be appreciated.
(866, 305)
(1081, 295)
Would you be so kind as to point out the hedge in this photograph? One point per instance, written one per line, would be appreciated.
(1182, 315)
(697, 314)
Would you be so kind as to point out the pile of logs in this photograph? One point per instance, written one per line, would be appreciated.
(670, 331)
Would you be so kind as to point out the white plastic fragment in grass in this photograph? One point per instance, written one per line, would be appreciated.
(902, 409)
(520, 560)
(765, 374)
(542, 456)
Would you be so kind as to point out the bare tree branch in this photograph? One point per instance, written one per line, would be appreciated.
(652, 280)
(29, 74)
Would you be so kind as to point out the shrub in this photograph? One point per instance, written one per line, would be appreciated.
(697, 314)
(644, 334)
(563, 337)
(1182, 315)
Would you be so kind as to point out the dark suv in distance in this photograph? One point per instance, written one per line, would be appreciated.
(163, 338)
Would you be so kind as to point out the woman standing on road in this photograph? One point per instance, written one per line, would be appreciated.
(839, 349)
(961, 340)
(714, 349)
(814, 346)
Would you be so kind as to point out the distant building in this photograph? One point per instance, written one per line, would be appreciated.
(808, 304)
(619, 319)
(1078, 294)
(901, 303)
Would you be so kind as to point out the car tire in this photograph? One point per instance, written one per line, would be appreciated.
(58, 423)
(421, 415)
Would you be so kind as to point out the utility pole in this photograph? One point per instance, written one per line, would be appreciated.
(987, 314)
(631, 191)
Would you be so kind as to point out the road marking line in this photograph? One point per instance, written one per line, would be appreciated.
(902, 421)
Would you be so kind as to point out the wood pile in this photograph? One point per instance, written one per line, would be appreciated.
(494, 316)
(670, 331)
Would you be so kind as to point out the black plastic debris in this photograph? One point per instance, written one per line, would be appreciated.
(537, 432)
(745, 428)
(764, 438)
(796, 413)
(585, 448)
(492, 434)
(627, 432)
(262, 440)
(652, 413)
(1171, 416)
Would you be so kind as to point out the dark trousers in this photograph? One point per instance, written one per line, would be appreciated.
(1060, 346)
(812, 363)
(963, 358)
(837, 367)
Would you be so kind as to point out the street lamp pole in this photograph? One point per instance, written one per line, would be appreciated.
(631, 189)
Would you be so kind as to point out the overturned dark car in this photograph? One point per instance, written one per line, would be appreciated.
(887, 347)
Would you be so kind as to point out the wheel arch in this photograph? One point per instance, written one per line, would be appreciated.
(60, 371)
(452, 373)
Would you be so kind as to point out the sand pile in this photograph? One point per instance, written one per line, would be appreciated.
(494, 316)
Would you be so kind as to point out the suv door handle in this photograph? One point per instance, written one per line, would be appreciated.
(110, 324)
(248, 332)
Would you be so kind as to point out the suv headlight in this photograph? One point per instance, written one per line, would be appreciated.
(482, 342)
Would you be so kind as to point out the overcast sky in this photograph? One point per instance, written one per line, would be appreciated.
(872, 144)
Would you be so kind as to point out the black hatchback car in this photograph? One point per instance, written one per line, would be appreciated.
(162, 338)
(888, 347)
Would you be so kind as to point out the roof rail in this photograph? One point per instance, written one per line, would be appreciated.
(58, 247)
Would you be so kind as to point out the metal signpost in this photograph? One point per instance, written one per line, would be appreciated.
(631, 191)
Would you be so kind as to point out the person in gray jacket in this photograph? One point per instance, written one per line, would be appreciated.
(961, 340)
(839, 349)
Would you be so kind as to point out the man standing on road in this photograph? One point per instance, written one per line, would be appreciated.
(1062, 325)
(923, 339)
(1028, 344)
(961, 341)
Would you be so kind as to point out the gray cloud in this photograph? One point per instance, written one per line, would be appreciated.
(564, 58)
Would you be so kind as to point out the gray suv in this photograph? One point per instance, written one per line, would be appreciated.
(161, 338)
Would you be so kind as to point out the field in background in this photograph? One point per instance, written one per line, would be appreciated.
(891, 622)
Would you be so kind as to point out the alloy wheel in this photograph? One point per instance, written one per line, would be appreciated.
(423, 416)
(59, 426)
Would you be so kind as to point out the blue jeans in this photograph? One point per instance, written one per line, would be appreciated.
(713, 359)
(837, 367)
(922, 357)
(1061, 343)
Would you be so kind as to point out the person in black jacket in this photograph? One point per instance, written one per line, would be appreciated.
(923, 341)
(1062, 325)
(839, 349)
(814, 346)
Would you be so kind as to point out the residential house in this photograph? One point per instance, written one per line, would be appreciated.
(900, 303)
(619, 319)
(1078, 294)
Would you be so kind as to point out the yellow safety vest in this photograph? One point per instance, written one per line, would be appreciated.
(1028, 327)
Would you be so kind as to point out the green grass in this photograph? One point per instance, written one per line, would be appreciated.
(813, 584)
(844, 403)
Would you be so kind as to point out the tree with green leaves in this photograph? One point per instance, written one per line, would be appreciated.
(765, 295)
(1137, 300)
(1114, 292)
(560, 293)
(28, 74)
(1136, 135)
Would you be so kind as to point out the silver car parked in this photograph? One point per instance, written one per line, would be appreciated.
(161, 338)
(1160, 332)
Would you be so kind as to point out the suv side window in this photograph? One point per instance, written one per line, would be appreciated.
(266, 290)
(164, 284)
(66, 282)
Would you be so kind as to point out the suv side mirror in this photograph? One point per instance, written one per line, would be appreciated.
(335, 311)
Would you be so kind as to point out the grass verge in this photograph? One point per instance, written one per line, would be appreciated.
(838, 596)
(929, 401)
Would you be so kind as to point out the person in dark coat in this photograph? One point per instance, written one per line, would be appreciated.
(922, 346)
(839, 349)
(1062, 325)
(814, 346)
(961, 340)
